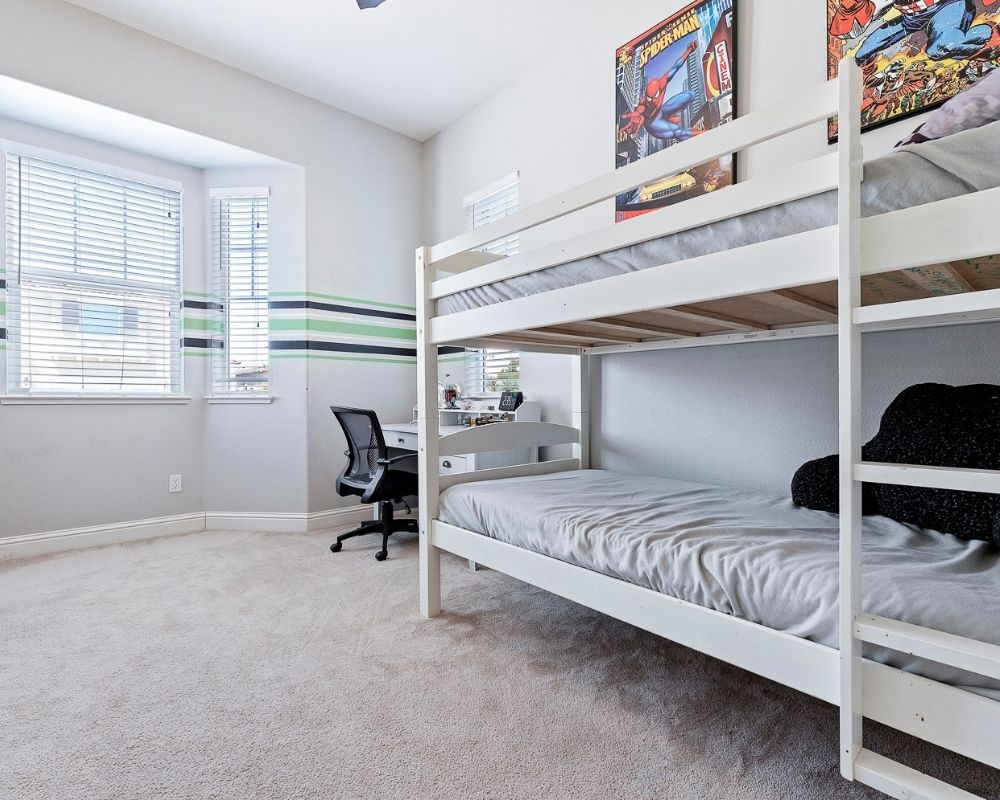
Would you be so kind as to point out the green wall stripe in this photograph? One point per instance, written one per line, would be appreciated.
(343, 299)
(335, 326)
(195, 324)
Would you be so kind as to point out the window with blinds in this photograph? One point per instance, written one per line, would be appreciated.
(239, 237)
(93, 282)
(493, 371)
(490, 204)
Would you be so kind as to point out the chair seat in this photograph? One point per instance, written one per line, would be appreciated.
(395, 484)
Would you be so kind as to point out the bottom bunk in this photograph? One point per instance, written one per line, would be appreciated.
(749, 578)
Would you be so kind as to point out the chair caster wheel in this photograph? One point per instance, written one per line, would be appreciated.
(336, 547)
(381, 555)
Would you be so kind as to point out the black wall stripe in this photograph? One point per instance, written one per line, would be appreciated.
(3, 283)
(202, 343)
(3, 333)
(343, 347)
(339, 309)
(203, 305)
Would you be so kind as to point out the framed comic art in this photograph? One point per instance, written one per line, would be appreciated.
(914, 54)
(674, 82)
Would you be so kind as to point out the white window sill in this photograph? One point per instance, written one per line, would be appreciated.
(240, 400)
(93, 400)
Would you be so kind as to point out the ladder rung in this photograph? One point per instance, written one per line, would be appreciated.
(981, 658)
(902, 782)
(963, 307)
(964, 480)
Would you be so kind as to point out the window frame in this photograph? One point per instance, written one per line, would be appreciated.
(14, 395)
(219, 394)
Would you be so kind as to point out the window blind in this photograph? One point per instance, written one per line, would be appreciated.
(493, 203)
(93, 282)
(493, 371)
(239, 233)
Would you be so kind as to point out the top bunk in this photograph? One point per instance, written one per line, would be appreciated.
(759, 260)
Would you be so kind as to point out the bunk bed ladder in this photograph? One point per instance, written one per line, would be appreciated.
(856, 628)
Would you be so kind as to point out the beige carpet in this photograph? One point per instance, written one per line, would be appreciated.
(239, 665)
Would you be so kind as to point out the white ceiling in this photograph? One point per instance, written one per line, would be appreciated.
(411, 65)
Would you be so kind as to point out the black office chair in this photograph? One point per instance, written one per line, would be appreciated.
(369, 474)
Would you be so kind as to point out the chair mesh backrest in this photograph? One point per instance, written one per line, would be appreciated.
(364, 440)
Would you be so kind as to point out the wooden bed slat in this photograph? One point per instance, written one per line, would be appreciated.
(788, 300)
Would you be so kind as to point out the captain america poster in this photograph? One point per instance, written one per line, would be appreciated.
(914, 54)
(675, 82)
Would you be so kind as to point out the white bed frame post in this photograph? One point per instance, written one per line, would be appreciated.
(581, 408)
(849, 355)
(427, 431)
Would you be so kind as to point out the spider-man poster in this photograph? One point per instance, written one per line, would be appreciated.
(674, 82)
(914, 54)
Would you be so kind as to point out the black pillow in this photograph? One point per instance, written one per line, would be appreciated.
(928, 424)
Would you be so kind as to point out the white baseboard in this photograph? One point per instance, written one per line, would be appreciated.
(338, 517)
(295, 522)
(37, 544)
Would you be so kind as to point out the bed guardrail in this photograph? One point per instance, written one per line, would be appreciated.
(812, 105)
(506, 436)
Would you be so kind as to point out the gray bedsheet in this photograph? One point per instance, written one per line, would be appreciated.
(908, 176)
(750, 554)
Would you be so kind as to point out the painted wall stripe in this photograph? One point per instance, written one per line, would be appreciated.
(333, 326)
(343, 347)
(203, 304)
(408, 362)
(339, 309)
(201, 343)
(195, 324)
(342, 299)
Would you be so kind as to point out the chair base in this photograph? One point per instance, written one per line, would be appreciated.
(386, 524)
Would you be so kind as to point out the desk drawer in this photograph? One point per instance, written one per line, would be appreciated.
(452, 465)
(404, 440)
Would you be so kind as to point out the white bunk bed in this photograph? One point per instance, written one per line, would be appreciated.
(615, 314)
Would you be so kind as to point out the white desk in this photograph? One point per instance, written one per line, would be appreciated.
(403, 436)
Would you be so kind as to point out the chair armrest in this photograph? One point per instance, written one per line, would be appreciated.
(385, 462)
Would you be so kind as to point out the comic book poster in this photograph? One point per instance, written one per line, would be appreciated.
(914, 54)
(674, 82)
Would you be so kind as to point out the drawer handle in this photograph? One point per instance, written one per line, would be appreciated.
(446, 464)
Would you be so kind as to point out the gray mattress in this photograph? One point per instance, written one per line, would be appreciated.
(906, 177)
(750, 554)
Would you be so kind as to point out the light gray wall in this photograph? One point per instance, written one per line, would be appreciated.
(70, 466)
(751, 414)
(739, 415)
(362, 197)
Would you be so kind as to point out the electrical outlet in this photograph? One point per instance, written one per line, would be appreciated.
(175, 483)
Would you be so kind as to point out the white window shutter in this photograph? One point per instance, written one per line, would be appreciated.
(491, 204)
(240, 262)
(93, 282)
